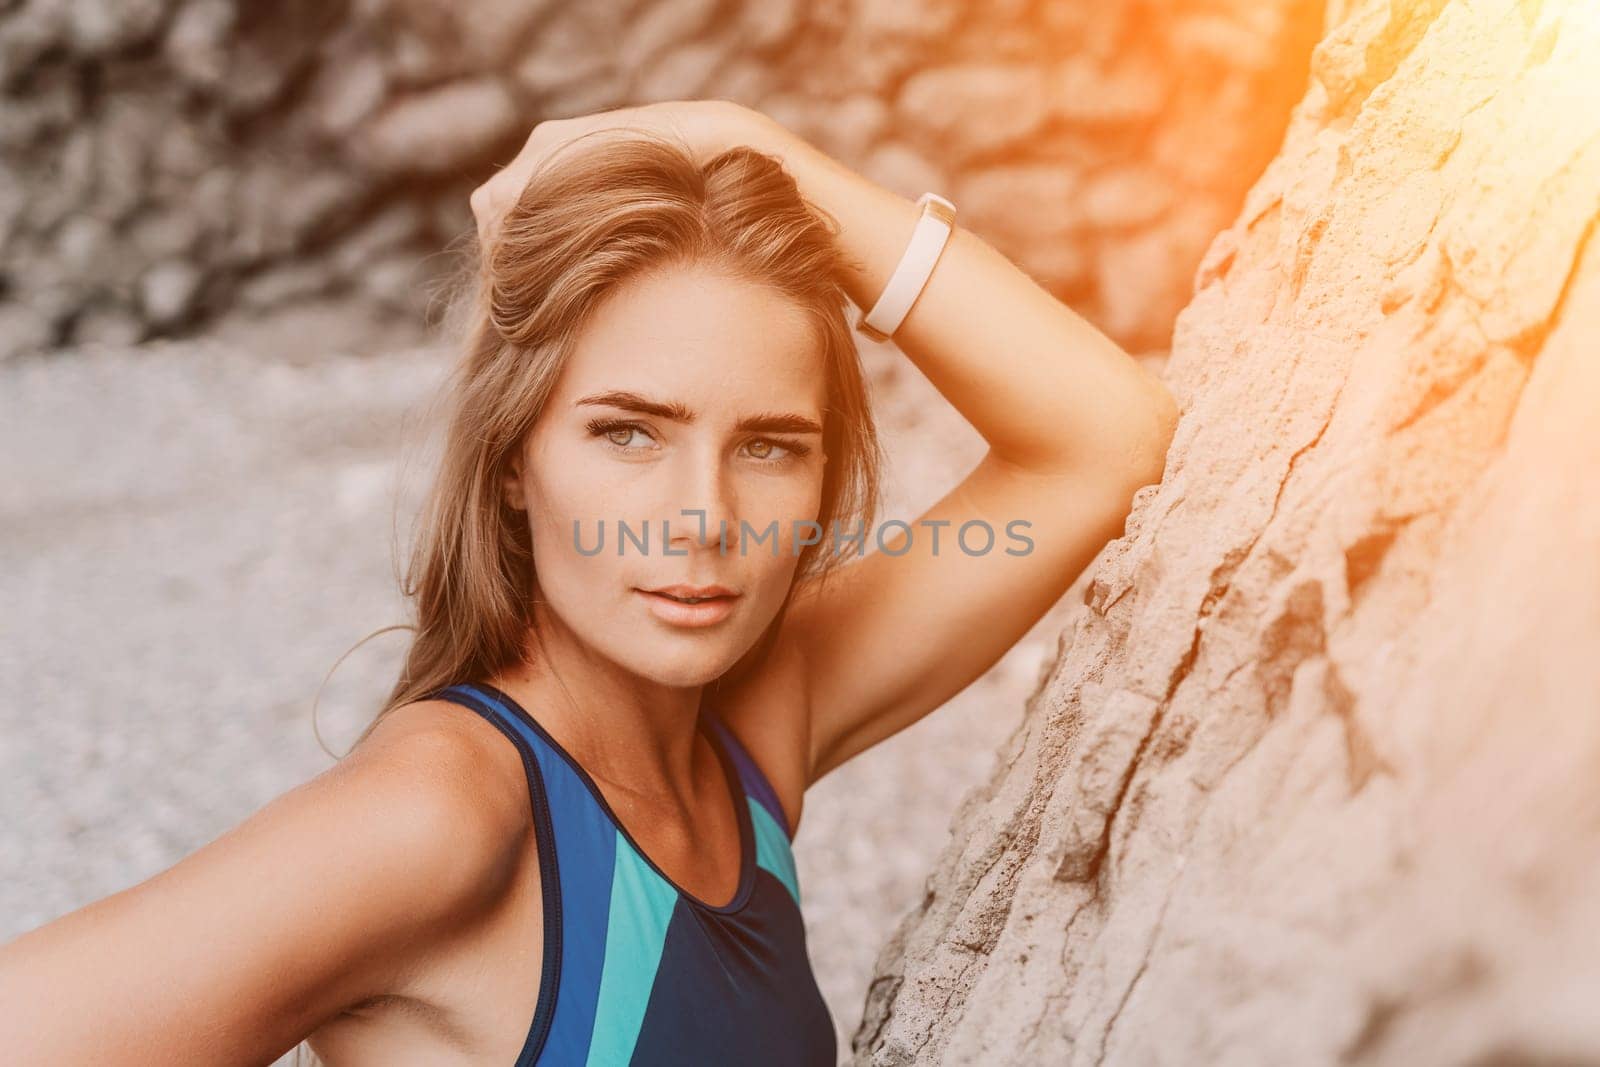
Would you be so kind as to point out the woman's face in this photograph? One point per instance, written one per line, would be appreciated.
(689, 391)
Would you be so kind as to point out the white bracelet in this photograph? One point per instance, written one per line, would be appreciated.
(916, 265)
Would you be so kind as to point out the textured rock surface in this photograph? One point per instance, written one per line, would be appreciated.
(167, 161)
(1312, 777)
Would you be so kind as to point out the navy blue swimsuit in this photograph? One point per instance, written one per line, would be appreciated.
(637, 970)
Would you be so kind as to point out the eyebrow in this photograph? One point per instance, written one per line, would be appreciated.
(764, 422)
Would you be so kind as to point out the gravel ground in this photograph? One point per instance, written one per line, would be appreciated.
(195, 531)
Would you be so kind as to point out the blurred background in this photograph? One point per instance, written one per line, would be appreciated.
(225, 229)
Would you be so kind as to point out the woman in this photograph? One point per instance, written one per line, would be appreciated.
(633, 652)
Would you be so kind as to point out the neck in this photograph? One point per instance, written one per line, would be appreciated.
(634, 734)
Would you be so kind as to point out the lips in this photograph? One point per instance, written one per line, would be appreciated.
(680, 606)
(692, 594)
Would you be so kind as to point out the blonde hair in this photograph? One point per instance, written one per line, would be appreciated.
(602, 209)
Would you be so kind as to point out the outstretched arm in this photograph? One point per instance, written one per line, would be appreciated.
(318, 901)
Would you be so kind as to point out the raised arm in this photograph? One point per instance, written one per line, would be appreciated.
(316, 902)
(1074, 426)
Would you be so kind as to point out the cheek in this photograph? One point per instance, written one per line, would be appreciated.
(787, 498)
(782, 507)
(566, 503)
(560, 497)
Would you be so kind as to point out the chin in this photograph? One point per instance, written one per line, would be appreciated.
(686, 667)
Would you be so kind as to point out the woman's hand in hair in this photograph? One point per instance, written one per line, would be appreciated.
(705, 126)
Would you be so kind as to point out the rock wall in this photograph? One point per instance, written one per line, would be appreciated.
(169, 161)
(1312, 779)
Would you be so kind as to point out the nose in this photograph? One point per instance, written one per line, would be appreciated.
(704, 511)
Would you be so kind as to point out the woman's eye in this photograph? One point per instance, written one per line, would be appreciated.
(765, 448)
(620, 434)
(623, 437)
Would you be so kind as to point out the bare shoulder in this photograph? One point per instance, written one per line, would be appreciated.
(423, 826)
(455, 790)
(449, 758)
(768, 712)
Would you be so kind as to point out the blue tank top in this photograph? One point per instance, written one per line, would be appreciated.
(638, 971)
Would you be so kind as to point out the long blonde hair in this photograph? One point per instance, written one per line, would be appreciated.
(601, 210)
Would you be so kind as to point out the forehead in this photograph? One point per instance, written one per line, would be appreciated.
(696, 334)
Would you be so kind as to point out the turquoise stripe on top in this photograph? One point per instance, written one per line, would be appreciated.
(772, 848)
(642, 903)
